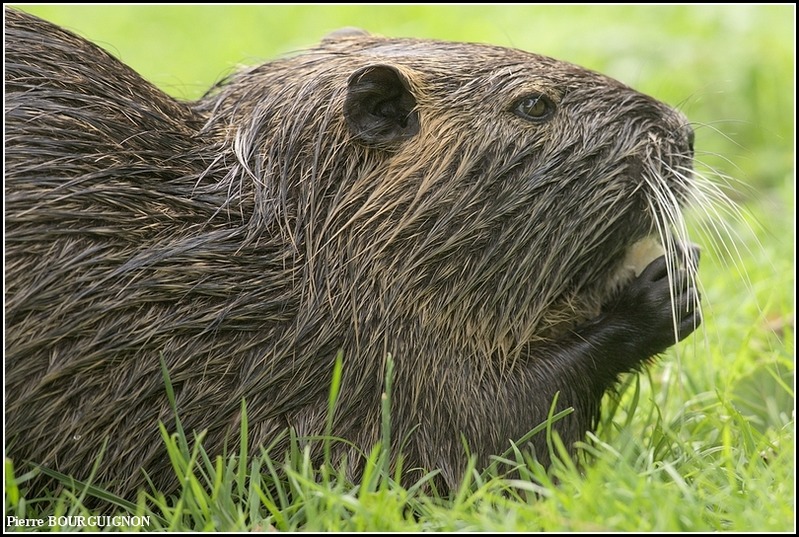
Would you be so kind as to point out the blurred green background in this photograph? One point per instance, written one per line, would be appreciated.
(729, 68)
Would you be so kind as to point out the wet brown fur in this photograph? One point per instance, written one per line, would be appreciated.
(248, 237)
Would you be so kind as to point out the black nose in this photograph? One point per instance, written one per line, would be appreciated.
(689, 137)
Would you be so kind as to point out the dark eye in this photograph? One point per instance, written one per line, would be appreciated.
(536, 107)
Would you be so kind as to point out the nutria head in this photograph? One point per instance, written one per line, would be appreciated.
(490, 191)
(469, 210)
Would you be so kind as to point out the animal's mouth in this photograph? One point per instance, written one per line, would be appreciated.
(638, 256)
(641, 254)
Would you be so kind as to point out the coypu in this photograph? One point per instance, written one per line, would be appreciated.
(481, 214)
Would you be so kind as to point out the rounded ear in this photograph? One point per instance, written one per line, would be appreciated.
(345, 33)
(380, 108)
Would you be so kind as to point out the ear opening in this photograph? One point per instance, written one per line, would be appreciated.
(380, 108)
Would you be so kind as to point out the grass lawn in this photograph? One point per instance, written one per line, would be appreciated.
(704, 441)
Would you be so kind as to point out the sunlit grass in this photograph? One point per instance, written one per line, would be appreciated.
(703, 442)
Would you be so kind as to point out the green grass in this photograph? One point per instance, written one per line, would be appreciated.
(703, 442)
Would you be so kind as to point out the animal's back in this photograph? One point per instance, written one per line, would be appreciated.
(111, 250)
